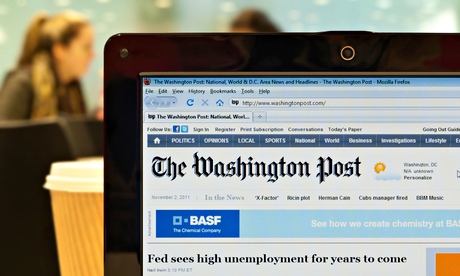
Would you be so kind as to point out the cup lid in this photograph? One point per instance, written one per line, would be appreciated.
(76, 176)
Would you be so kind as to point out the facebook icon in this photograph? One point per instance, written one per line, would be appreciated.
(176, 129)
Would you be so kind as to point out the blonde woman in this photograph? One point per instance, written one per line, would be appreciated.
(56, 53)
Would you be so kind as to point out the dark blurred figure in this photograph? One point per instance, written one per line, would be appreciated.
(57, 51)
(251, 20)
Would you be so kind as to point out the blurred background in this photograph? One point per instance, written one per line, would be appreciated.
(114, 16)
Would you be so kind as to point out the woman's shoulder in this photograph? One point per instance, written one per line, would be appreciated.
(20, 74)
(16, 81)
(16, 95)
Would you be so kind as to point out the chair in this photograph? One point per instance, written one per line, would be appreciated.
(85, 136)
(27, 239)
(96, 132)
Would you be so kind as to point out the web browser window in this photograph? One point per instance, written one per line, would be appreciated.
(289, 174)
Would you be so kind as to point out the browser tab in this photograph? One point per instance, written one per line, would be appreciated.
(188, 116)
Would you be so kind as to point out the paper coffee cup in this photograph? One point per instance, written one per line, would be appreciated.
(77, 202)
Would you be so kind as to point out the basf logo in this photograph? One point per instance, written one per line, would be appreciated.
(197, 220)
(197, 223)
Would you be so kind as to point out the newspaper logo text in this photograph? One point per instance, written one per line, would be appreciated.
(243, 168)
(328, 167)
(165, 166)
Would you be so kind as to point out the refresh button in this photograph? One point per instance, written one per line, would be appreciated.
(190, 102)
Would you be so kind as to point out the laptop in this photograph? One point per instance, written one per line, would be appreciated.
(282, 154)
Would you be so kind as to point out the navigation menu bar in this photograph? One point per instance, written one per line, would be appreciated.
(281, 140)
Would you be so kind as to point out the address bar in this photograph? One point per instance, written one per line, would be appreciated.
(345, 103)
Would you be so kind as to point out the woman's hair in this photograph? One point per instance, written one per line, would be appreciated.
(45, 31)
(255, 20)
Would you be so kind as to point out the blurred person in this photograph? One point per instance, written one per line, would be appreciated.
(251, 20)
(45, 83)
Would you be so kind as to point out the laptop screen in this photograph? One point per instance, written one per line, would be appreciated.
(277, 174)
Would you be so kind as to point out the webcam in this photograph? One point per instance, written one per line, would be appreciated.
(347, 53)
(124, 53)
